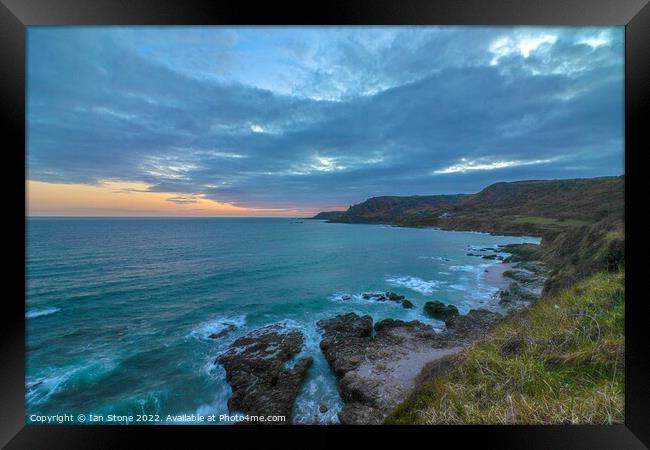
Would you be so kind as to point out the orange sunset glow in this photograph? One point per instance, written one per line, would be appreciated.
(114, 198)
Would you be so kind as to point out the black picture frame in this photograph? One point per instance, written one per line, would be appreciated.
(16, 15)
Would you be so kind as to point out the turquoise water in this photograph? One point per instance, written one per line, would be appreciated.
(119, 311)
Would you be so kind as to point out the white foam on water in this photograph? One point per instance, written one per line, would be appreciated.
(347, 298)
(320, 385)
(223, 391)
(416, 284)
(205, 329)
(436, 258)
(32, 313)
(465, 268)
(40, 389)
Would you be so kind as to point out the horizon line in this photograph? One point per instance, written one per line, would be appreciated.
(31, 216)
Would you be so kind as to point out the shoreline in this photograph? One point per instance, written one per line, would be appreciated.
(401, 352)
(378, 365)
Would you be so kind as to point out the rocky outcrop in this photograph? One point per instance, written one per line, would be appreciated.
(407, 304)
(466, 328)
(227, 329)
(377, 371)
(256, 369)
(383, 296)
(439, 310)
(528, 282)
(344, 339)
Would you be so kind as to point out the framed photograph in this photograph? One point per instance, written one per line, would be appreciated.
(403, 220)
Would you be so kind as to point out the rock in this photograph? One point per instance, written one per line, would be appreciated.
(516, 293)
(360, 414)
(255, 369)
(229, 328)
(380, 296)
(531, 266)
(475, 322)
(393, 296)
(521, 252)
(347, 325)
(345, 297)
(375, 372)
(439, 310)
(343, 340)
(520, 276)
(407, 304)
(323, 408)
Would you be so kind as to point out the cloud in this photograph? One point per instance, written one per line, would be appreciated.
(466, 165)
(328, 116)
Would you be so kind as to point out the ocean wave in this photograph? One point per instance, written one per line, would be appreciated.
(32, 313)
(40, 389)
(416, 284)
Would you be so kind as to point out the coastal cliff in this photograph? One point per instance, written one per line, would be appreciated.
(482, 362)
(524, 371)
(581, 221)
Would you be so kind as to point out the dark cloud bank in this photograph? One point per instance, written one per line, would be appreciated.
(436, 111)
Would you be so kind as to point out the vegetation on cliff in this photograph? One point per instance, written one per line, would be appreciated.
(561, 361)
(538, 207)
(328, 215)
(399, 210)
(581, 221)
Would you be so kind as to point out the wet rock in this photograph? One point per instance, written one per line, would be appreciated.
(229, 328)
(380, 296)
(255, 369)
(439, 310)
(407, 304)
(394, 297)
(345, 297)
(323, 408)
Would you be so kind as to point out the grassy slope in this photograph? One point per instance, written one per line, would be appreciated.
(561, 361)
(538, 208)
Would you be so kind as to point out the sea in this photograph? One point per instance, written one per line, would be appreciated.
(119, 310)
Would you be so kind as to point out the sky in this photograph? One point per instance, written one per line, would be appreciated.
(290, 121)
